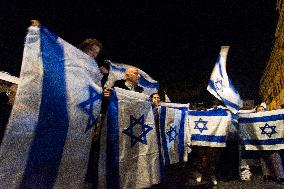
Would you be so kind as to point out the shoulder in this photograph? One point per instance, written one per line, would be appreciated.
(139, 89)
(120, 84)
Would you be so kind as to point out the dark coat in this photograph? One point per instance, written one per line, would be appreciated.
(121, 84)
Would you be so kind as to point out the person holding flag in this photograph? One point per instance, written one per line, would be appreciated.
(221, 87)
(58, 100)
(117, 72)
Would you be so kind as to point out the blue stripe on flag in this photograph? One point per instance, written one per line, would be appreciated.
(51, 131)
(212, 86)
(120, 69)
(261, 119)
(264, 142)
(208, 138)
(217, 112)
(220, 67)
(163, 134)
(231, 104)
(181, 136)
(112, 157)
(232, 87)
(225, 101)
(148, 84)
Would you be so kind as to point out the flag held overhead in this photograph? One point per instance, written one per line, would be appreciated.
(221, 86)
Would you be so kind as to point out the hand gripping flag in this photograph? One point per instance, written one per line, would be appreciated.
(117, 72)
(209, 128)
(174, 131)
(262, 130)
(48, 137)
(129, 150)
(221, 86)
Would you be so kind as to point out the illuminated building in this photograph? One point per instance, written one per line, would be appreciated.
(272, 81)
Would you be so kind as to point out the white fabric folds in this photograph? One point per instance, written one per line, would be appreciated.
(129, 153)
(48, 137)
(262, 130)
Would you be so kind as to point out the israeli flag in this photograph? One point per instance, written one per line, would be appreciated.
(174, 129)
(48, 137)
(209, 128)
(221, 86)
(262, 130)
(117, 72)
(129, 150)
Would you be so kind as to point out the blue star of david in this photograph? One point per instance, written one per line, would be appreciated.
(172, 133)
(218, 85)
(144, 128)
(88, 106)
(203, 123)
(266, 126)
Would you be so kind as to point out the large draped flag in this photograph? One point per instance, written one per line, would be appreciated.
(129, 152)
(262, 130)
(174, 129)
(209, 128)
(48, 137)
(117, 72)
(221, 86)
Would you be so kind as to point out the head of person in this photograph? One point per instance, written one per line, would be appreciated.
(91, 47)
(155, 97)
(259, 109)
(132, 75)
(104, 67)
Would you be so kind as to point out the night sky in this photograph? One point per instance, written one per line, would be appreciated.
(176, 42)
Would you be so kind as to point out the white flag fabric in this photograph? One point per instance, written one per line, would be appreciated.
(209, 128)
(129, 150)
(221, 86)
(7, 77)
(174, 129)
(48, 137)
(117, 72)
(262, 130)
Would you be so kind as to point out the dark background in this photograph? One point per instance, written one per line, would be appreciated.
(176, 42)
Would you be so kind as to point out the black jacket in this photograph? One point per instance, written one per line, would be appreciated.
(121, 84)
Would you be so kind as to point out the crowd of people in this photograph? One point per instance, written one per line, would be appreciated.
(205, 159)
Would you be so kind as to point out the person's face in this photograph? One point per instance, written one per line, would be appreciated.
(260, 109)
(94, 51)
(104, 70)
(156, 100)
(133, 75)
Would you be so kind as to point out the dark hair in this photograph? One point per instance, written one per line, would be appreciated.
(88, 43)
(151, 96)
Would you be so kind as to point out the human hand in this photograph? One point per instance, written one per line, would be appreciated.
(107, 92)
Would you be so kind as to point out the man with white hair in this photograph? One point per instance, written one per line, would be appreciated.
(130, 82)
